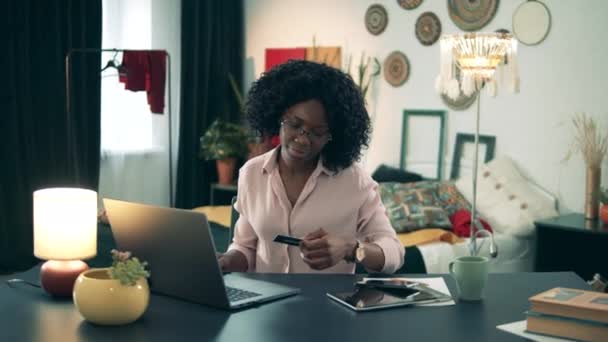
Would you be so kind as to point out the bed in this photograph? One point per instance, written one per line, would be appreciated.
(515, 254)
(511, 204)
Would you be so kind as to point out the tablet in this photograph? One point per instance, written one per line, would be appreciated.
(396, 283)
(365, 298)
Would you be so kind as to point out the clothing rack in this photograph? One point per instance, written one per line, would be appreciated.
(94, 50)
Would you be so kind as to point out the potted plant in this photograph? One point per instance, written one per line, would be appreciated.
(365, 74)
(224, 142)
(115, 295)
(255, 144)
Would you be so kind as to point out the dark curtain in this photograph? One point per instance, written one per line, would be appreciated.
(212, 47)
(42, 144)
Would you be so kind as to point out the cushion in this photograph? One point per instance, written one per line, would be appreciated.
(506, 199)
(450, 199)
(386, 173)
(413, 206)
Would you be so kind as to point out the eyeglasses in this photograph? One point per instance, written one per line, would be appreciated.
(293, 127)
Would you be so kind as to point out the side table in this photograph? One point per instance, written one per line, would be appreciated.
(572, 243)
(224, 195)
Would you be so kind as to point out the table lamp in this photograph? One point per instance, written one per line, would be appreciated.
(477, 55)
(65, 231)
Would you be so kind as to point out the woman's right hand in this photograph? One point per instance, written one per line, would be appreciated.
(232, 261)
(222, 262)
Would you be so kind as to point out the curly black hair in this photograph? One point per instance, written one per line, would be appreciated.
(297, 81)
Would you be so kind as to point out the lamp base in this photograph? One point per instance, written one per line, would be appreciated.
(57, 277)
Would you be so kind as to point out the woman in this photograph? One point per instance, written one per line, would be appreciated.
(309, 186)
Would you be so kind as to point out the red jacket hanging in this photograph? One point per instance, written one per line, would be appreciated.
(146, 70)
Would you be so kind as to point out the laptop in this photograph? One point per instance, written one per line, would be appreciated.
(180, 252)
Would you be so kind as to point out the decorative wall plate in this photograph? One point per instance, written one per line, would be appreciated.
(409, 4)
(428, 28)
(461, 103)
(376, 19)
(471, 15)
(531, 22)
(396, 68)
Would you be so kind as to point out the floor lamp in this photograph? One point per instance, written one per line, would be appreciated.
(477, 56)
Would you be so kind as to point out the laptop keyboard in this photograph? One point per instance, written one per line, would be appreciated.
(235, 294)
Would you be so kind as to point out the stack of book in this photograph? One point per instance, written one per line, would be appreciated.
(570, 313)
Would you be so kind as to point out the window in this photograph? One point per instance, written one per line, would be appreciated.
(127, 125)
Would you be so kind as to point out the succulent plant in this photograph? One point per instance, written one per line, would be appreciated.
(127, 269)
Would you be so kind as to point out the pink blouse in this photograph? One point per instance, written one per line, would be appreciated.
(345, 203)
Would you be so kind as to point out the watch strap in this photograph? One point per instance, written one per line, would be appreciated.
(352, 256)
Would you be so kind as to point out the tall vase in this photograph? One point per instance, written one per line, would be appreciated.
(592, 195)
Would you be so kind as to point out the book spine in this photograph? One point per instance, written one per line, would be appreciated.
(565, 318)
(569, 311)
(566, 328)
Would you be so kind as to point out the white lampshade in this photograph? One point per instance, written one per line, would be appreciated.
(65, 224)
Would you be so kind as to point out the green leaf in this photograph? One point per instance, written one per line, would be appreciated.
(237, 92)
(224, 140)
(128, 271)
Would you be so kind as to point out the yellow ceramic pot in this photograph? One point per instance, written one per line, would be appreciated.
(102, 300)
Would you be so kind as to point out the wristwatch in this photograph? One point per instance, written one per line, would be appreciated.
(358, 255)
(359, 252)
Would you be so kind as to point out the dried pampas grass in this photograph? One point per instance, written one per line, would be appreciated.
(589, 140)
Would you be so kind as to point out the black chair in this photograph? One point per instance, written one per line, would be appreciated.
(234, 215)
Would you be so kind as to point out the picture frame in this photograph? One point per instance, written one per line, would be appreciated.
(487, 144)
(422, 138)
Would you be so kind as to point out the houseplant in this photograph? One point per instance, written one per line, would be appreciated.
(255, 144)
(224, 142)
(365, 74)
(115, 295)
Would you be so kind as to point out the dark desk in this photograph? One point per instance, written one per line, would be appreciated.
(571, 243)
(29, 315)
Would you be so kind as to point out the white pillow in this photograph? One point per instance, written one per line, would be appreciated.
(503, 168)
(506, 199)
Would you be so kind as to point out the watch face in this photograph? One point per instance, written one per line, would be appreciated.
(360, 254)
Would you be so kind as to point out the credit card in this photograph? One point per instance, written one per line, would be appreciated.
(287, 240)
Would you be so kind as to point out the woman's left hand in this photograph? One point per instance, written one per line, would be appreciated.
(321, 250)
